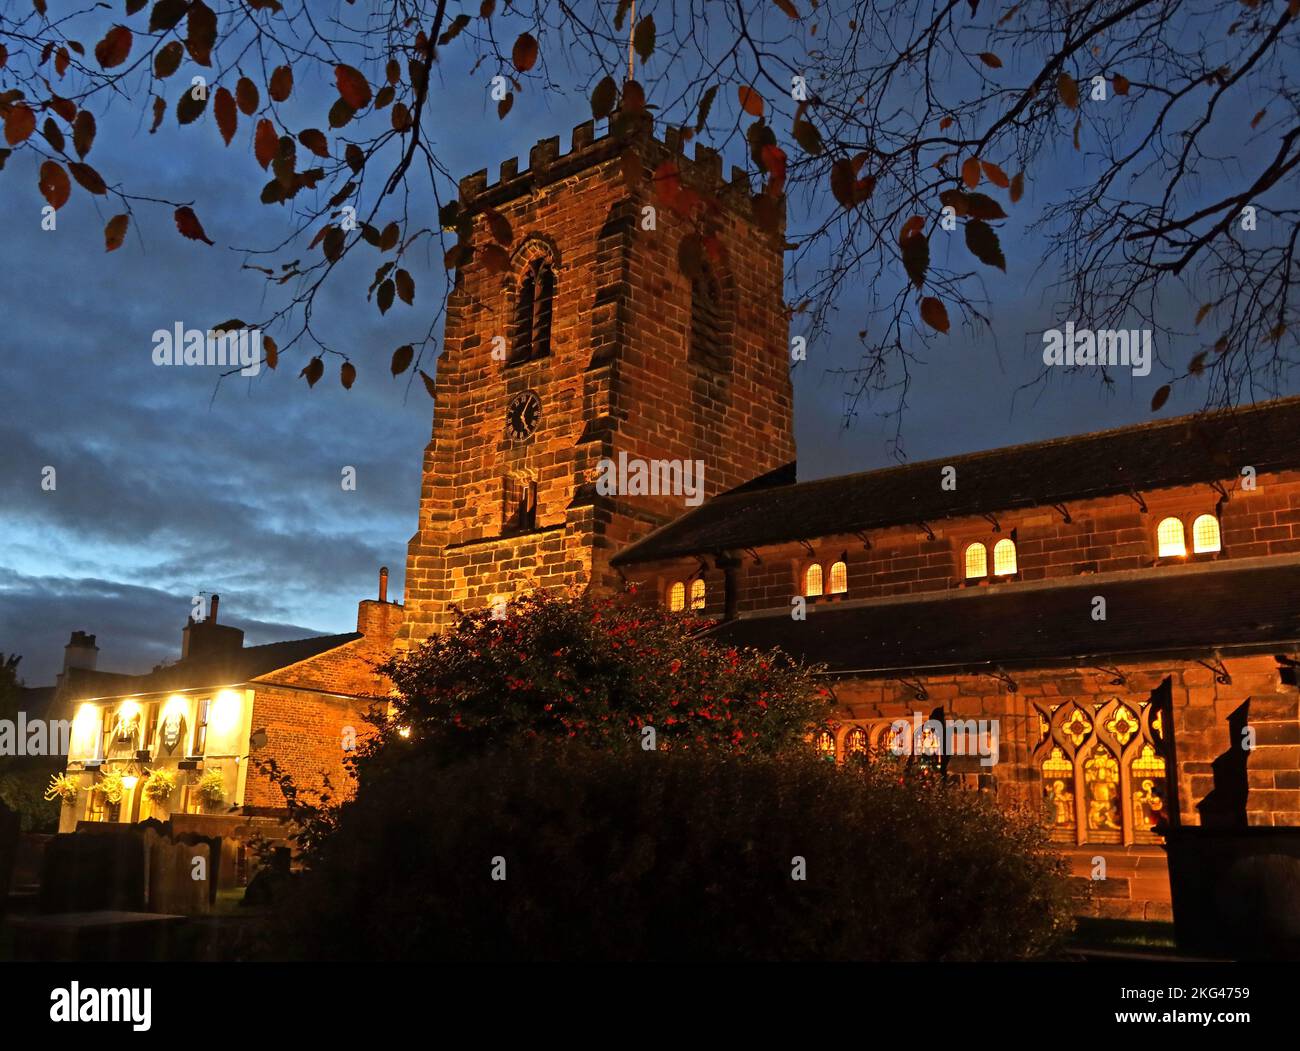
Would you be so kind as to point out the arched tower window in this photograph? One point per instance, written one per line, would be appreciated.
(1004, 558)
(839, 578)
(520, 504)
(1205, 535)
(534, 300)
(710, 322)
(977, 561)
(1169, 537)
(812, 581)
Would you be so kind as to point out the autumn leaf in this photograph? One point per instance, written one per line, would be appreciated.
(61, 61)
(385, 296)
(159, 111)
(87, 178)
(503, 107)
(1254, 121)
(934, 314)
(54, 184)
(348, 375)
(945, 123)
(115, 232)
(1068, 91)
(429, 385)
(995, 175)
(223, 108)
(246, 96)
(499, 227)
(1205, 309)
(983, 244)
(808, 137)
(706, 104)
(189, 226)
(789, 9)
(270, 352)
(340, 113)
(388, 239)
(189, 109)
(991, 60)
(604, 98)
(166, 14)
(168, 59)
(1159, 398)
(355, 156)
(643, 38)
(281, 84)
(916, 254)
(114, 48)
(1120, 83)
(401, 118)
(52, 135)
(266, 143)
(750, 100)
(313, 370)
(524, 53)
(1197, 365)
(83, 132)
(1017, 186)
(314, 140)
(20, 122)
(352, 86)
(405, 287)
(202, 32)
(970, 172)
(401, 359)
(334, 242)
(454, 30)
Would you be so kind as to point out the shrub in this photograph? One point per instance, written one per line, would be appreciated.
(684, 855)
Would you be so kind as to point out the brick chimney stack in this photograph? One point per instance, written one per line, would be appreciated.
(206, 639)
(380, 619)
(383, 583)
(80, 652)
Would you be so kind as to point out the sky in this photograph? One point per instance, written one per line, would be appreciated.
(168, 485)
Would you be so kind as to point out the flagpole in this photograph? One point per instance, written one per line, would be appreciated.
(631, 25)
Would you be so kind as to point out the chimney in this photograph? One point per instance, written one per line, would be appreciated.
(380, 620)
(206, 639)
(383, 583)
(212, 609)
(80, 652)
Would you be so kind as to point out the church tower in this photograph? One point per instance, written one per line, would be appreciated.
(580, 337)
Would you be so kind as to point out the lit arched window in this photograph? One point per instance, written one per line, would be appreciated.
(697, 594)
(1169, 537)
(1004, 558)
(677, 597)
(826, 744)
(977, 561)
(855, 742)
(532, 322)
(812, 581)
(1205, 534)
(839, 578)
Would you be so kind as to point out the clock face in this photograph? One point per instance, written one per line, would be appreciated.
(522, 415)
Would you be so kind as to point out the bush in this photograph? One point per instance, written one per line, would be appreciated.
(684, 855)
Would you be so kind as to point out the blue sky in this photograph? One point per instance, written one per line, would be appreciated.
(168, 486)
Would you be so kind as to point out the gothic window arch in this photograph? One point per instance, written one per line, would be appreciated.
(710, 335)
(534, 302)
(856, 742)
(825, 742)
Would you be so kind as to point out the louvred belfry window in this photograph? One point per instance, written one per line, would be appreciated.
(534, 302)
(709, 320)
(520, 504)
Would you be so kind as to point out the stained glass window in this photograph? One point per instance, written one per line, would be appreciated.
(677, 597)
(1004, 558)
(839, 578)
(1101, 783)
(977, 561)
(855, 742)
(813, 581)
(697, 594)
(1149, 786)
(826, 744)
(1205, 534)
(1169, 537)
(1058, 791)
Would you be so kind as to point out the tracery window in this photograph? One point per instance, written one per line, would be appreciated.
(709, 320)
(855, 742)
(1103, 770)
(534, 300)
(825, 741)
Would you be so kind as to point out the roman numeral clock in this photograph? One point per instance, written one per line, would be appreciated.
(522, 415)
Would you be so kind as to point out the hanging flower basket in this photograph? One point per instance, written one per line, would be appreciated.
(212, 788)
(159, 785)
(63, 787)
(112, 785)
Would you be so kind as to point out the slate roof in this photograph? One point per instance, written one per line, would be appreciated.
(240, 666)
(1181, 451)
(1193, 614)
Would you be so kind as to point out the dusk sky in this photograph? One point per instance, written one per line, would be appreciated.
(168, 486)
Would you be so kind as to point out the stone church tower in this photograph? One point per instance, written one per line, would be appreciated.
(590, 343)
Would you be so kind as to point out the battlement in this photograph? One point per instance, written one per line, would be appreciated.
(546, 164)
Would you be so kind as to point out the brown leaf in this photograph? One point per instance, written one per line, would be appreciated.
(52, 135)
(1205, 309)
(405, 287)
(202, 32)
(808, 137)
(970, 172)
(499, 227)
(604, 98)
(750, 100)
(246, 96)
(401, 359)
(83, 132)
(524, 53)
(281, 85)
(87, 178)
(1254, 121)
(65, 108)
(189, 109)
(643, 38)
(385, 296)
(223, 108)
(983, 244)
(61, 61)
(1017, 186)
(189, 226)
(995, 175)
(1120, 83)
(503, 107)
(388, 239)
(1159, 398)
(982, 206)
(159, 111)
(166, 14)
(114, 48)
(428, 383)
(916, 254)
(384, 96)
(991, 60)
(314, 140)
(934, 314)
(340, 113)
(945, 123)
(393, 71)
(401, 117)
(1197, 365)
(270, 352)
(313, 370)
(54, 184)
(454, 30)
(168, 59)
(1068, 90)
(334, 243)
(4, 56)
(115, 232)
(348, 375)
(20, 122)
(352, 86)
(266, 143)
